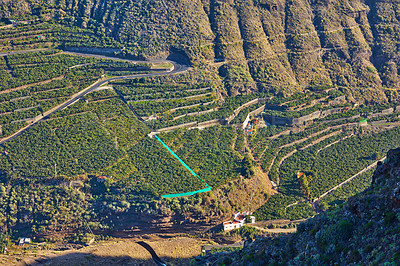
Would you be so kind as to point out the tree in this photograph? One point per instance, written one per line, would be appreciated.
(247, 166)
(2, 191)
(376, 156)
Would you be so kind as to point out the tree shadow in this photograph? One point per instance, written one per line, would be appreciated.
(363, 158)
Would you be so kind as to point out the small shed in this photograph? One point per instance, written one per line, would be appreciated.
(364, 122)
(24, 240)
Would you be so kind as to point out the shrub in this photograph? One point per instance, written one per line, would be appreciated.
(390, 217)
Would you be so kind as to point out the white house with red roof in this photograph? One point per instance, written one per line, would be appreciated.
(238, 221)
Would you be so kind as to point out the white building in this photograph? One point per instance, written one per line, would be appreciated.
(24, 240)
(230, 225)
(238, 221)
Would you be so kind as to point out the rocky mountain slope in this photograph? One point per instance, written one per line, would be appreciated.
(281, 44)
(363, 231)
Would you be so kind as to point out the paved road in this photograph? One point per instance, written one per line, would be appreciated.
(275, 230)
(118, 58)
(153, 254)
(178, 68)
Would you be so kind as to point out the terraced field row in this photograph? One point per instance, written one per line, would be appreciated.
(34, 82)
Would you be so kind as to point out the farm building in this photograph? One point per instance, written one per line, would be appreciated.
(24, 240)
(238, 221)
(230, 225)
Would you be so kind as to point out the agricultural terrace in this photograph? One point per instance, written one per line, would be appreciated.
(306, 162)
(34, 82)
(45, 34)
(168, 105)
(105, 131)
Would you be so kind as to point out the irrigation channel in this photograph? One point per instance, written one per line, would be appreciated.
(190, 193)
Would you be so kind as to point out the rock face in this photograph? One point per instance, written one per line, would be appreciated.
(363, 231)
(281, 44)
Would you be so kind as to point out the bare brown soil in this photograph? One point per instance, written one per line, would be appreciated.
(171, 249)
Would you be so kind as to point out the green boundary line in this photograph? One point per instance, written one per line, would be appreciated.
(190, 193)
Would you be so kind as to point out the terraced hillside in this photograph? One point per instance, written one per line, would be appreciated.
(332, 146)
(286, 108)
(364, 230)
(264, 44)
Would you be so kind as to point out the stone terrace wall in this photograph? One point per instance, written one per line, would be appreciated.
(240, 108)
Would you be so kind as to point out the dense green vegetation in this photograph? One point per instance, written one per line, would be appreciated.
(208, 152)
(90, 144)
(43, 34)
(275, 208)
(44, 154)
(28, 68)
(338, 162)
(158, 171)
(44, 79)
(299, 211)
(266, 51)
(355, 186)
(85, 142)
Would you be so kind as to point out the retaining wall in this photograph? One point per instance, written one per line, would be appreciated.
(177, 127)
(240, 108)
(331, 111)
(189, 106)
(384, 112)
(195, 114)
(306, 118)
(192, 125)
(274, 120)
(252, 113)
(212, 123)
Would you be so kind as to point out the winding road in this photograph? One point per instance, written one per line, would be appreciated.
(177, 68)
(153, 254)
